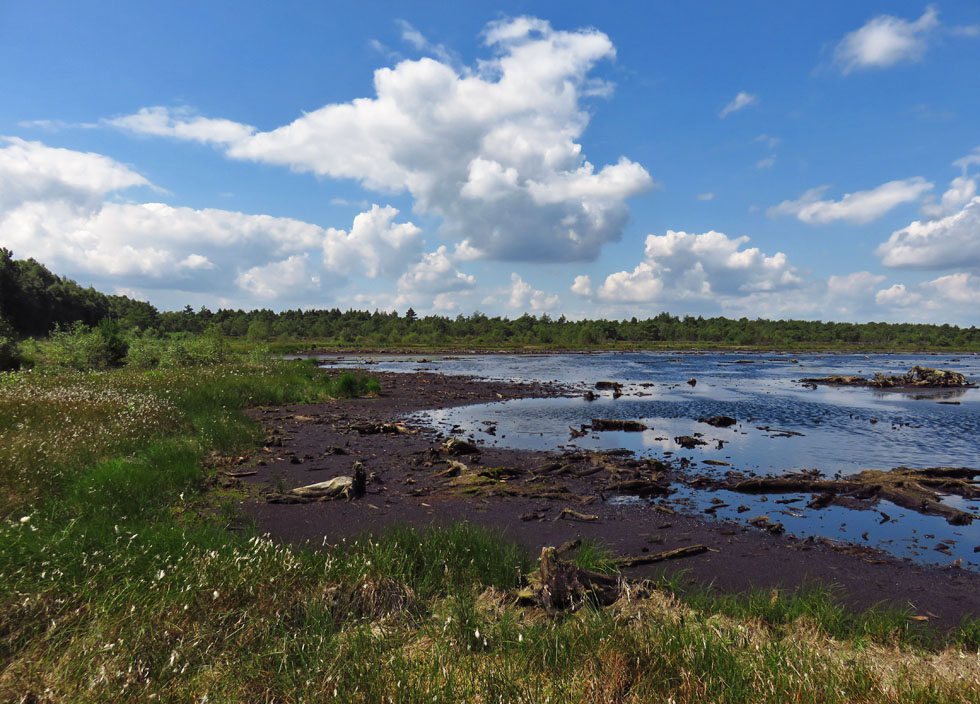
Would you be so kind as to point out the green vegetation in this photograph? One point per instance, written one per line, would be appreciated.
(120, 582)
(35, 302)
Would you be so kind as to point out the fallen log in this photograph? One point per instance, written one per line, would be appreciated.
(634, 561)
(575, 515)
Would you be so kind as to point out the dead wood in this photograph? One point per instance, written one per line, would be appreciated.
(635, 560)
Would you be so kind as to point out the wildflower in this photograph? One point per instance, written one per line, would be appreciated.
(25, 519)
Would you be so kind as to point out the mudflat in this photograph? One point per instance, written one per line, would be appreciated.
(543, 499)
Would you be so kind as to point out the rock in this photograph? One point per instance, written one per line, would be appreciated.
(692, 381)
(719, 421)
(608, 385)
(630, 426)
(590, 395)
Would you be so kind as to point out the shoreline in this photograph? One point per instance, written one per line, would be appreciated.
(412, 492)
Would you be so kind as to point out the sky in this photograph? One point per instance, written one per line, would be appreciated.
(759, 159)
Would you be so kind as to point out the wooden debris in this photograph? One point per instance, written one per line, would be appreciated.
(629, 426)
(914, 489)
(558, 584)
(575, 515)
(633, 561)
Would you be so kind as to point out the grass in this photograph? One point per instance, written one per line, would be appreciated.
(109, 592)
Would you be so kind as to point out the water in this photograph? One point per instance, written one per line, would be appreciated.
(836, 430)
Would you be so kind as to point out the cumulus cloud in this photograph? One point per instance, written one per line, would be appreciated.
(706, 196)
(491, 149)
(944, 297)
(685, 266)
(885, 41)
(947, 243)
(436, 273)
(376, 246)
(960, 192)
(56, 206)
(582, 285)
(525, 297)
(276, 279)
(860, 207)
(740, 101)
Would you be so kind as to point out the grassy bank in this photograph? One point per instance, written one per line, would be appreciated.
(118, 582)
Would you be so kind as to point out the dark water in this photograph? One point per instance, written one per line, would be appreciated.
(835, 430)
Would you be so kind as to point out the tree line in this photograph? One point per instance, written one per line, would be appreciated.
(34, 301)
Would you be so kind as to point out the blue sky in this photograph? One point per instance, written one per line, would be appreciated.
(811, 160)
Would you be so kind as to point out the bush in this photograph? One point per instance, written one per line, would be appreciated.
(82, 348)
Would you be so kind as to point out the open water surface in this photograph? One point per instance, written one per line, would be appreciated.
(782, 426)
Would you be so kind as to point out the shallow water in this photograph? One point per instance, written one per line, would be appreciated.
(835, 430)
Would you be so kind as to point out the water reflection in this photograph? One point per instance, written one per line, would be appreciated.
(782, 426)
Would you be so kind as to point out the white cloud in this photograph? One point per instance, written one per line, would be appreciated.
(491, 149)
(897, 295)
(971, 159)
(434, 274)
(957, 288)
(951, 242)
(182, 123)
(376, 246)
(31, 171)
(961, 191)
(766, 163)
(885, 41)
(706, 196)
(945, 298)
(859, 207)
(740, 101)
(525, 297)
(683, 266)
(278, 279)
(582, 285)
(856, 285)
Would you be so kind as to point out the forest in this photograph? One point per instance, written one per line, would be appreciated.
(34, 302)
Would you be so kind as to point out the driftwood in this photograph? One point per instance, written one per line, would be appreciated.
(638, 487)
(560, 585)
(352, 487)
(916, 377)
(636, 560)
(915, 489)
(630, 426)
(575, 515)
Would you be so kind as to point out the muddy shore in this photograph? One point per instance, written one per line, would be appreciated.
(522, 494)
